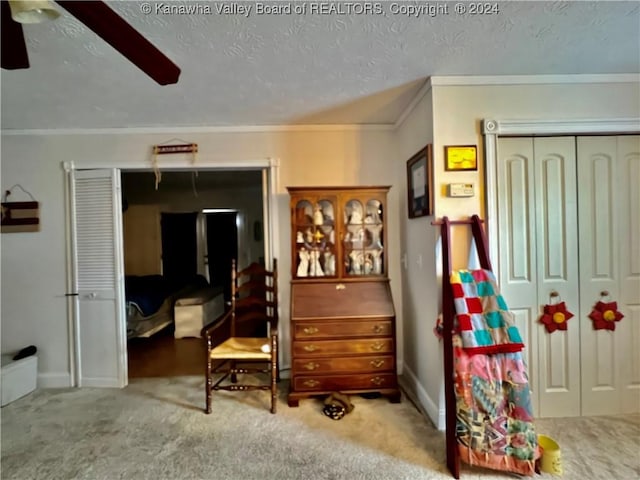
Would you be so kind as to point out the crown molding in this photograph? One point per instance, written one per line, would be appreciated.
(535, 79)
(203, 129)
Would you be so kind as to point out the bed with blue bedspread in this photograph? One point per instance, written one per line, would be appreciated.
(151, 299)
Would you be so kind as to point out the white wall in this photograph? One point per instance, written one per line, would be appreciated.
(422, 355)
(34, 265)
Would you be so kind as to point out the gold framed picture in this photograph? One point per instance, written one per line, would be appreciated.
(460, 157)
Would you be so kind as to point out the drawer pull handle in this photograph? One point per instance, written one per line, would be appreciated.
(378, 329)
(377, 346)
(377, 363)
(341, 286)
(310, 330)
(310, 348)
(377, 381)
(311, 383)
(311, 366)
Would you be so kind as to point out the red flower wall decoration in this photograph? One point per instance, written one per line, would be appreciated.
(555, 317)
(605, 315)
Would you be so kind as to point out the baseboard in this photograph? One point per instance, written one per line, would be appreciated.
(418, 395)
(54, 380)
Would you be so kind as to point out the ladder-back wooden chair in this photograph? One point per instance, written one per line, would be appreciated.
(251, 346)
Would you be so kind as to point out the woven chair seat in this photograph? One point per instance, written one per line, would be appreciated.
(243, 348)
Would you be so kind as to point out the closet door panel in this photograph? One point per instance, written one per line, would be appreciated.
(98, 271)
(569, 223)
(628, 329)
(598, 186)
(517, 254)
(557, 273)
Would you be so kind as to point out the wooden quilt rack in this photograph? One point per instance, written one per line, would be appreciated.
(448, 314)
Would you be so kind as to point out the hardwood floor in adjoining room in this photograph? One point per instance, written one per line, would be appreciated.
(162, 355)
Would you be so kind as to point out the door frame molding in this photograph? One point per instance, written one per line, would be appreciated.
(270, 165)
(492, 129)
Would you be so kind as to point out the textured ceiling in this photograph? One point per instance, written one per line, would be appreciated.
(313, 69)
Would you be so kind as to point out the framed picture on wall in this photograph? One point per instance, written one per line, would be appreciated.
(420, 183)
(460, 157)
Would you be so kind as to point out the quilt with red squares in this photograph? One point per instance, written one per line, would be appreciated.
(494, 416)
(483, 320)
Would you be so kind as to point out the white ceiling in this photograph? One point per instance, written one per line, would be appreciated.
(302, 69)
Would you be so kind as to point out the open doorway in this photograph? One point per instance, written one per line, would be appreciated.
(222, 247)
(181, 238)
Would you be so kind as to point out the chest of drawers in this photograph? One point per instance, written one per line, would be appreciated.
(343, 339)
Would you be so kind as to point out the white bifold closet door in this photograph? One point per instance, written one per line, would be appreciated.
(100, 334)
(568, 216)
(538, 257)
(609, 244)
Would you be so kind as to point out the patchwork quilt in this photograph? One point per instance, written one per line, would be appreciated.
(493, 403)
(482, 316)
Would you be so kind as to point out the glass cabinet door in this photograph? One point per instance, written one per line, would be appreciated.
(363, 238)
(315, 237)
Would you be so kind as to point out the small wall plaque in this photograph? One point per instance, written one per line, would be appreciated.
(460, 157)
(169, 149)
(20, 217)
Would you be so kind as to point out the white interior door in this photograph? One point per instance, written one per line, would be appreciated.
(537, 217)
(608, 180)
(629, 260)
(98, 278)
(517, 251)
(557, 265)
(584, 252)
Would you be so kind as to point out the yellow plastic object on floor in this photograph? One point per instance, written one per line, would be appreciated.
(551, 460)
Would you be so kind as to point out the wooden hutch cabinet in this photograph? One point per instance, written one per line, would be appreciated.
(342, 315)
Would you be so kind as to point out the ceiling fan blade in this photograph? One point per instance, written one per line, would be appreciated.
(14, 49)
(114, 30)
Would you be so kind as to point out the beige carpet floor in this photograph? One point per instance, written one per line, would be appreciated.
(156, 429)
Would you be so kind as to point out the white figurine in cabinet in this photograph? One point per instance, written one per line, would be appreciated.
(329, 263)
(303, 266)
(357, 262)
(375, 232)
(318, 217)
(356, 215)
(316, 268)
(376, 255)
(368, 265)
(308, 235)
